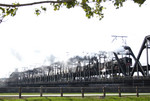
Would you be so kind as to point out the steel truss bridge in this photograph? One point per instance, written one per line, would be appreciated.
(122, 69)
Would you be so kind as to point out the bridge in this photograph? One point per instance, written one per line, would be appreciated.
(124, 69)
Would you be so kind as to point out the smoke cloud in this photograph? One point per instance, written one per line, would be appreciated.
(16, 54)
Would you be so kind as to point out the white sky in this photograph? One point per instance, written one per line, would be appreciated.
(27, 39)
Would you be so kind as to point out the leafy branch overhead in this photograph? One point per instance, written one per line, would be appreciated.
(91, 7)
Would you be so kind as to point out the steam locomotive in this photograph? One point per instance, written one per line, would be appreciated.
(100, 66)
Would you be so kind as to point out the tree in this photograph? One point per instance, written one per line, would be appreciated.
(91, 7)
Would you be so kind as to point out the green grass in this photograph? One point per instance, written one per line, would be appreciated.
(125, 98)
(65, 99)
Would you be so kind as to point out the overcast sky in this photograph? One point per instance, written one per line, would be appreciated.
(26, 40)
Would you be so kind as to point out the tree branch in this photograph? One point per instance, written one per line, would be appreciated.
(33, 3)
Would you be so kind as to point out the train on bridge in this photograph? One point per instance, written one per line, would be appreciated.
(103, 68)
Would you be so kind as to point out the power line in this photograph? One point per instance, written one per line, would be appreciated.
(122, 37)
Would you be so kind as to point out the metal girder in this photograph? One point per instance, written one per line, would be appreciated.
(137, 65)
(135, 59)
(119, 63)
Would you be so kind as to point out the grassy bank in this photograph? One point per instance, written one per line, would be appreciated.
(129, 98)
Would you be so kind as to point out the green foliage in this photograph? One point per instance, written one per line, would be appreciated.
(2, 9)
(70, 4)
(119, 3)
(5, 11)
(43, 8)
(11, 11)
(89, 9)
(56, 6)
(37, 12)
(8, 11)
(140, 2)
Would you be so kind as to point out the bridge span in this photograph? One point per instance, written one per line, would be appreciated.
(123, 68)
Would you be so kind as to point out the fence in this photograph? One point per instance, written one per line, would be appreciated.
(73, 91)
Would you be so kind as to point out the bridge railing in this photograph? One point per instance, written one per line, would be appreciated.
(73, 91)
